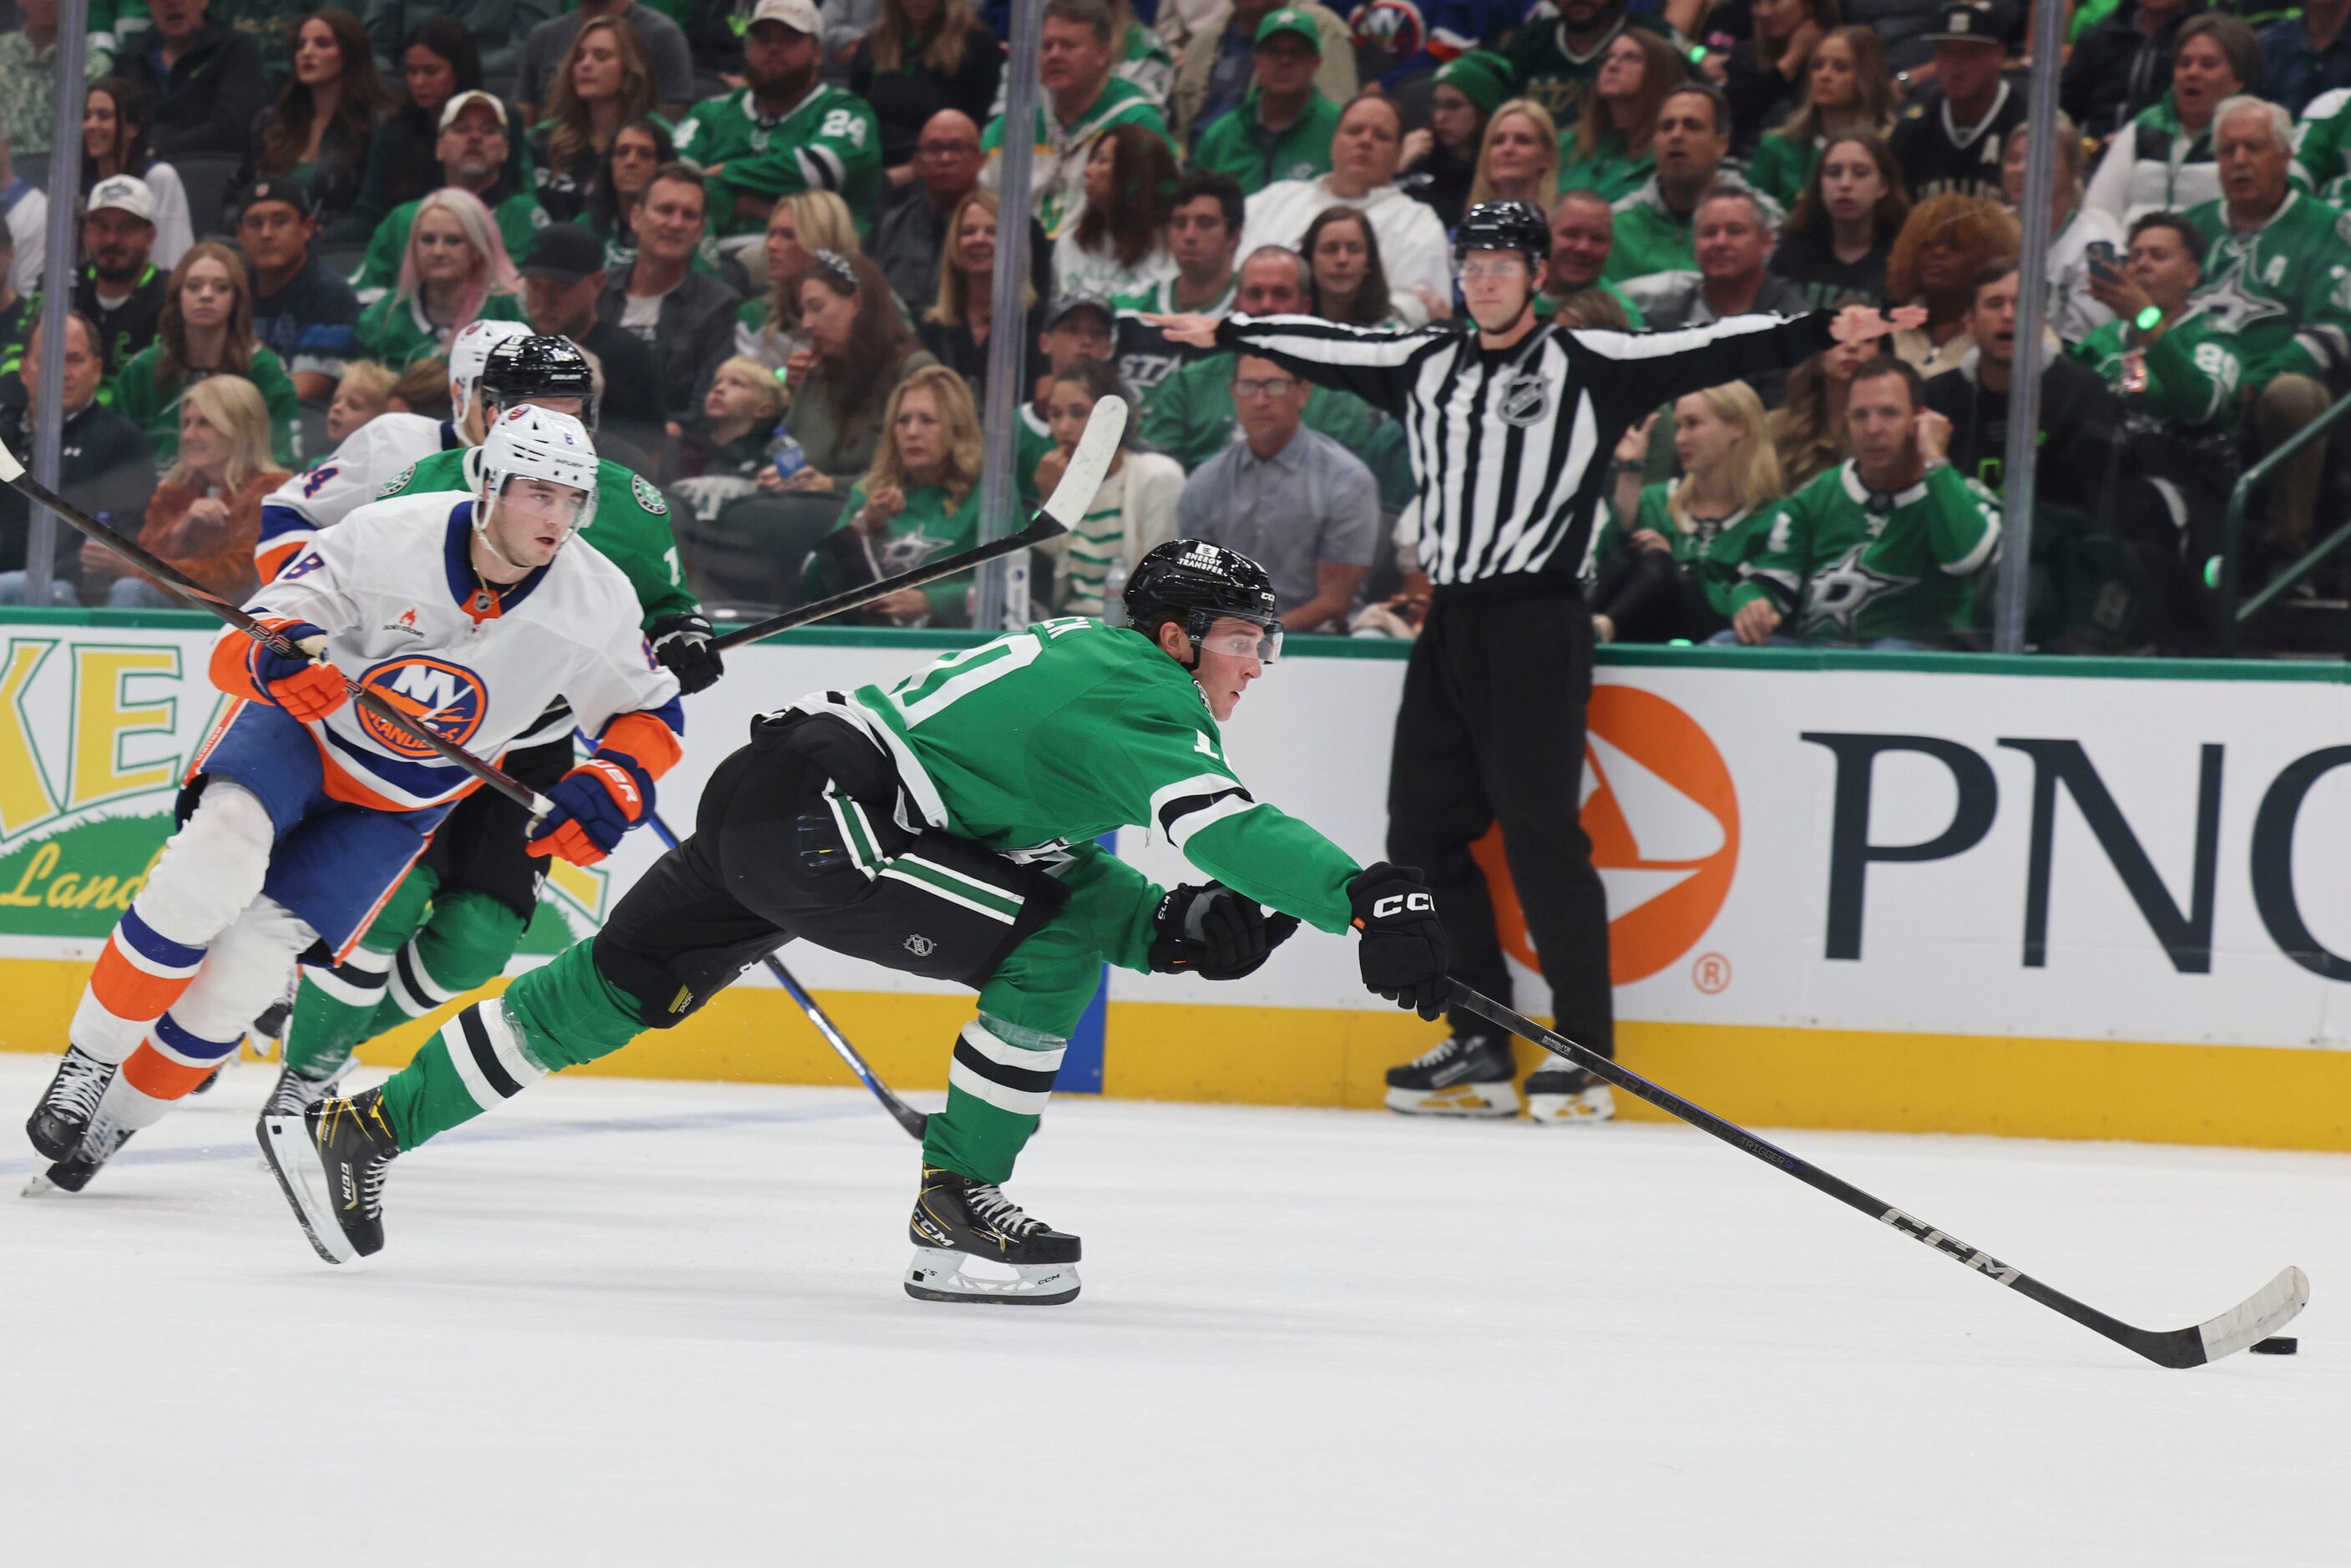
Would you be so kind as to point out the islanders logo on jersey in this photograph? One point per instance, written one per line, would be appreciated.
(448, 697)
(1394, 26)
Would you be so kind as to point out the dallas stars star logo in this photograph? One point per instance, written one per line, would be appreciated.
(906, 553)
(1836, 595)
(2226, 300)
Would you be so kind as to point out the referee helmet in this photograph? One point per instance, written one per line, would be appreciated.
(1503, 226)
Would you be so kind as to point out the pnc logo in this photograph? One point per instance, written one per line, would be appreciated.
(448, 697)
(1663, 817)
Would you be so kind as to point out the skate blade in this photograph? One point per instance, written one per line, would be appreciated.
(1469, 1100)
(303, 1179)
(1591, 1107)
(937, 1275)
(39, 1186)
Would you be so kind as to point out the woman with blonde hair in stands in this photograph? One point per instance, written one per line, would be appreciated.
(1609, 149)
(1943, 244)
(455, 270)
(1849, 90)
(956, 326)
(1519, 159)
(604, 82)
(919, 498)
(1669, 556)
(206, 514)
(798, 226)
(206, 329)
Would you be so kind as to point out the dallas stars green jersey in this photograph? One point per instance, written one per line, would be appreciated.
(520, 218)
(1055, 736)
(1057, 175)
(1652, 238)
(2193, 370)
(1713, 552)
(630, 528)
(2322, 147)
(829, 141)
(2282, 291)
(929, 523)
(1859, 564)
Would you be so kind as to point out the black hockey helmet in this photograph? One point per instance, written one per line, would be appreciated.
(1206, 584)
(540, 366)
(1503, 226)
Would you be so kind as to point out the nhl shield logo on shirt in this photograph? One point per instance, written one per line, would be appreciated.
(1525, 400)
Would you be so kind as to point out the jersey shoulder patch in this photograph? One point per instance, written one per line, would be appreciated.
(647, 496)
(397, 483)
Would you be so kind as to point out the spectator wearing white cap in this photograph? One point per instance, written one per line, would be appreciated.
(664, 42)
(120, 290)
(786, 131)
(473, 153)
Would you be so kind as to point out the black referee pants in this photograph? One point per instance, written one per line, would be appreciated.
(1491, 730)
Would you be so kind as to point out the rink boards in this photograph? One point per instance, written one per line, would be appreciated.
(2094, 899)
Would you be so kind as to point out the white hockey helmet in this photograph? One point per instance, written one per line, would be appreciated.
(533, 443)
(469, 352)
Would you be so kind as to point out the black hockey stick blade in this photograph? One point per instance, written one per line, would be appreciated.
(906, 1115)
(197, 596)
(1088, 467)
(2254, 1319)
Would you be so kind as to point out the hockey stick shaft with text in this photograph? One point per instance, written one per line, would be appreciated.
(1088, 467)
(13, 474)
(2256, 1318)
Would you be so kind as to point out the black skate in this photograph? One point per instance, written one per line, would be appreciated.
(293, 1093)
(98, 1145)
(64, 1114)
(1465, 1074)
(958, 1219)
(1564, 1094)
(330, 1161)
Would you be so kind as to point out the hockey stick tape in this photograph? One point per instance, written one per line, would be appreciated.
(10, 469)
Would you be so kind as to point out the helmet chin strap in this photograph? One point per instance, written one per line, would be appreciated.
(489, 541)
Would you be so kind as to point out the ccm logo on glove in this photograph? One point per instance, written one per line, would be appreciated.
(1403, 952)
(1397, 903)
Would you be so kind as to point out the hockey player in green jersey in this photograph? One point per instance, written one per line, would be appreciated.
(785, 132)
(1886, 549)
(943, 827)
(455, 919)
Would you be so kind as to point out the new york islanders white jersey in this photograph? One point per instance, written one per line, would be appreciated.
(394, 587)
(361, 470)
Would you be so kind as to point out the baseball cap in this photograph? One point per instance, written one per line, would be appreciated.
(800, 15)
(1290, 19)
(124, 193)
(1070, 303)
(1967, 24)
(458, 104)
(293, 194)
(566, 252)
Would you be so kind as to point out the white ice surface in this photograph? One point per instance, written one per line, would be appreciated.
(656, 1323)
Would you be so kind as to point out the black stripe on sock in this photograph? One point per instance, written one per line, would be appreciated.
(485, 1056)
(360, 979)
(1026, 1079)
(412, 976)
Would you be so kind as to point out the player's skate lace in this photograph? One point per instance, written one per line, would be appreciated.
(988, 1203)
(78, 1086)
(1443, 1050)
(294, 1093)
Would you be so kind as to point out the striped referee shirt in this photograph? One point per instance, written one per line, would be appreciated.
(1510, 447)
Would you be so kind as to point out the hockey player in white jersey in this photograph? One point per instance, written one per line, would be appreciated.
(360, 469)
(302, 811)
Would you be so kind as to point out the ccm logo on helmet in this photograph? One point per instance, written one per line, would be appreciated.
(1397, 903)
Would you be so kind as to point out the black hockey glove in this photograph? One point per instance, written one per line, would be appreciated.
(1207, 929)
(681, 642)
(1404, 953)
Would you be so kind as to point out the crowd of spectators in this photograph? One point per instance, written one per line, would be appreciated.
(773, 227)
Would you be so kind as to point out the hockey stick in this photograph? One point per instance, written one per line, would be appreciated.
(2256, 1318)
(13, 474)
(1088, 467)
(906, 1115)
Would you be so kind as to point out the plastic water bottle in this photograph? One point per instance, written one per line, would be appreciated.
(1114, 610)
(786, 454)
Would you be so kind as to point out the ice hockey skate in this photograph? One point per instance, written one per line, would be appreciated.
(104, 1138)
(63, 1115)
(1563, 1093)
(957, 1221)
(292, 1093)
(1465, 1074)
(331, 1160)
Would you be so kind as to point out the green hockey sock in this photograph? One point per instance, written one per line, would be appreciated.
(557, 1016)
(336, 1009)
(997, 1086)
(464, 945)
